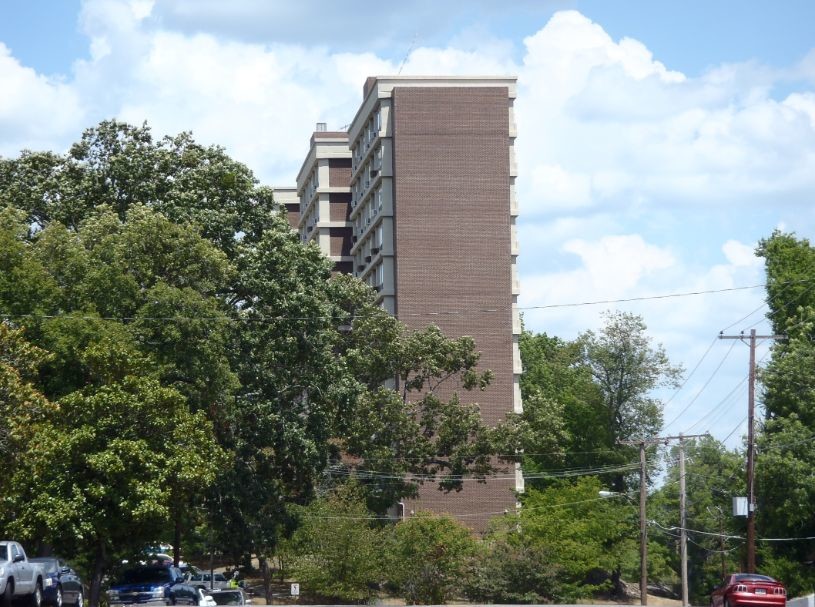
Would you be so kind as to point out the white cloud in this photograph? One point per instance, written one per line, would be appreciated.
(35, 111)
(740, 254)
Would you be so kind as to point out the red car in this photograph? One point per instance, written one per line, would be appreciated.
(749, 589)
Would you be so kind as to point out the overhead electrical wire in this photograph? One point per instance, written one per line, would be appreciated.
(705, 385)
(285, 317)
(687, 379)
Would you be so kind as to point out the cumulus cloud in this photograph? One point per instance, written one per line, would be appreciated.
(740, 254)
(35, 111)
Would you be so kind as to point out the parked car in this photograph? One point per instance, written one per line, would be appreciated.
(229, 596)
(205, 600)
(61, 584)
(749, 589)
(188, 569)
(19, 577)
(202, 580)
(152, 585)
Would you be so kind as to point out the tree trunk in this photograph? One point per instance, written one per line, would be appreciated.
(617, 587)
(267, 578)
(100, 564)
(177, 536)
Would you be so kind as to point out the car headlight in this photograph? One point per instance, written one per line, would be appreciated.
(158, 593)
(48, 582)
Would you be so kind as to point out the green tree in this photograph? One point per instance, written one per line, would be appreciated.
(428, 558)
(785, 455)
(582, 397)
(582, 533)
(123, 270)
(561, 406)
(166, 260)
(99, 473)
(627, 368)
(336, 552)
(22, 408)
(120, 165)
(713, 475)
(406, 419)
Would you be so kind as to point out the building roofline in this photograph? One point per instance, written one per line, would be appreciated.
(468, 81)
(317, 137)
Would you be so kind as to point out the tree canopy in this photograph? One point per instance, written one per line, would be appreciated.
(158, 276)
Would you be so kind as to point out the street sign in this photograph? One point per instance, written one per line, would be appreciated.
(295, 589)
(739, 506)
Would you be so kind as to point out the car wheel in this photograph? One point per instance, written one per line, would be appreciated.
(36, 597)
(8, 594)
(58, 598)
(80, 600)
(726, 603)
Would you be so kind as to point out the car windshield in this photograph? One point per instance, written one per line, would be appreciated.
(228, 598)
(4, 552)
(752, 577)
(49, 565)
(139, 576)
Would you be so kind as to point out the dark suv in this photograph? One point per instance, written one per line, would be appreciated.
(152, 585)
(61, 584)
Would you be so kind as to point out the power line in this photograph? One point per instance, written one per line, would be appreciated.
(687, 379)
(286, 317)
(705, 385)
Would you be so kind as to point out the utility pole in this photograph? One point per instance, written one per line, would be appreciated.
(643, 531)
(643, 521)
(751, 444)
(683, 533)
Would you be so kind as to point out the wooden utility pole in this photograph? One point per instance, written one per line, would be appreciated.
(683, 533)
(643, 531)
(751, 444)
(644, 522)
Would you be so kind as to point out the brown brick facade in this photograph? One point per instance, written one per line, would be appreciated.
(293, 214)
(340, 241)
(452, 241)
(339, 172)
(339, 206)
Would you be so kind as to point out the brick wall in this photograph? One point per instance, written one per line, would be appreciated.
(340, 241)
(339, 172)
(452, 239)
(339, 206)
(293, 214)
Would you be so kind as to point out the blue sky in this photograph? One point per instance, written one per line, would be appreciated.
(658, 142)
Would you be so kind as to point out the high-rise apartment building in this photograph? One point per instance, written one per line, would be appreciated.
(427, 172)
(288, 199)
(325, 196)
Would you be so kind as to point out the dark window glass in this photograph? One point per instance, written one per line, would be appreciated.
(753, 577)
(139, 576)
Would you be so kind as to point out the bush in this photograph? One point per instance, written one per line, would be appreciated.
(507, 571)
(336, 553)
(430, 556)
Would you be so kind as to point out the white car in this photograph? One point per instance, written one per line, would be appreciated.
(230, 596)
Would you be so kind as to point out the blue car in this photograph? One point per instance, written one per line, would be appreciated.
(153, 586)
(61, 585)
